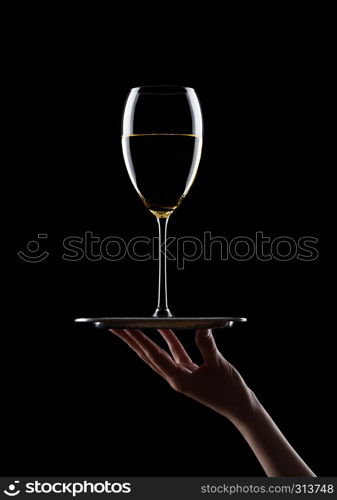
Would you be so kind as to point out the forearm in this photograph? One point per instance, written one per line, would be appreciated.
(277, 457)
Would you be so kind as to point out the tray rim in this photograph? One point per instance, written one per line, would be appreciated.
(151, 318)
(182, 323)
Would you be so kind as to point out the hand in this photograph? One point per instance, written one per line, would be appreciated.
(216, 383)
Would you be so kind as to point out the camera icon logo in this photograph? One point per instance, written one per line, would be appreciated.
(12, 488)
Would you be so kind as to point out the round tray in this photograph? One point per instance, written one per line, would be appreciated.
(150, 322)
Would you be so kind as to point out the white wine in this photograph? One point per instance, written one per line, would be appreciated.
(162, 168)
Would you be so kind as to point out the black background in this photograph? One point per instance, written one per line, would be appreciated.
(76, 401)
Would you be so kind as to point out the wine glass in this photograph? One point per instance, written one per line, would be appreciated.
(162, 140)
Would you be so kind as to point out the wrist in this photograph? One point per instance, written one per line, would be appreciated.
(250, 411)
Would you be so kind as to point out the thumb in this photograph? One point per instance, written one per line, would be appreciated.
(206, 343)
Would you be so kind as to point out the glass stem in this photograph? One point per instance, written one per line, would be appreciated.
(162, 310)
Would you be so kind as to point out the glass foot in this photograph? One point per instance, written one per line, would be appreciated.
(162, 313)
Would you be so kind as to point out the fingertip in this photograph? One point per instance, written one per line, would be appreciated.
(203, 333)
(206, 343)
(116, 331)
(163, 330)
(133, 331)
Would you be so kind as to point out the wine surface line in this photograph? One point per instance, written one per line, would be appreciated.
(159, 133)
